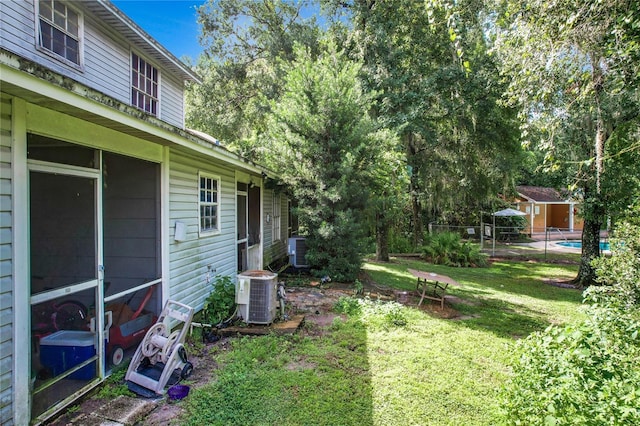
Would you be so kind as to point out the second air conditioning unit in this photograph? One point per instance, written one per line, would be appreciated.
(256, 296)
(297, 251)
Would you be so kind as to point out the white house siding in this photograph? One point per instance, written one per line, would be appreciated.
(6, 268)
(274, 249)
(106, 65)
(190, 259)
(172, 100)
(17, 26)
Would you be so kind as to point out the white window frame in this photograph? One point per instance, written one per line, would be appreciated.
(65, 31)
(146, 93)
(203, 205)
(276, 219)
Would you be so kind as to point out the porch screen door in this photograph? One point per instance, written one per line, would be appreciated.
(67, 356)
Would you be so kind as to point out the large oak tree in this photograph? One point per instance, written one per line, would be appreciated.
(570, 68)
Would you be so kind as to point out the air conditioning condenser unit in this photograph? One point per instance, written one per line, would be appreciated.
(297, 251)
(256, 296)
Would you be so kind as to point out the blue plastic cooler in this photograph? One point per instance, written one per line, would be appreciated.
(65, 349)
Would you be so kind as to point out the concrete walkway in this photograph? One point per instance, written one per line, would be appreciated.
(121, 411)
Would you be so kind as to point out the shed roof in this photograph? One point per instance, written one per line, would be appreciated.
(541, 194)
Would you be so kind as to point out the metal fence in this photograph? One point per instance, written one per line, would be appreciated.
(542, 239)
(484, 231)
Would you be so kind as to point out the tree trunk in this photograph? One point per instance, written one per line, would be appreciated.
(417, 219)
(414, 190)
(382, 238)
(593, 210)
(590, 250)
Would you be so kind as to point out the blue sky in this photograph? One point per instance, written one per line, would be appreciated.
(173, 23)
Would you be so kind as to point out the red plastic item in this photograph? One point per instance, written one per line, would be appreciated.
(130, 333)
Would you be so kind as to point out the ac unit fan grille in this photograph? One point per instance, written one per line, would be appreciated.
(260, 301)
(301, 251)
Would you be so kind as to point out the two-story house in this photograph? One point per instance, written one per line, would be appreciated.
(104, 194)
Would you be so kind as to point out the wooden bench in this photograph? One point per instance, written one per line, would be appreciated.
(432, 286)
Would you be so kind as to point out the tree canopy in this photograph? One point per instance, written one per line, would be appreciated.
(246, 44)
(457, 88)
(328, 153)
(567, 64)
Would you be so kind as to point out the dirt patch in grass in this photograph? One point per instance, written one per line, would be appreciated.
(76, 412)
(435, 310)
(164, 414)
(323, 320)
(204, 362)
(300, 365)
(203, 358)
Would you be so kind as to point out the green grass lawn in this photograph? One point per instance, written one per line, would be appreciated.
(368, 371)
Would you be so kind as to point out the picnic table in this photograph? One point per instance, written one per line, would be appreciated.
(432, 286)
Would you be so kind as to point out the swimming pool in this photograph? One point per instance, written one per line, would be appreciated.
(578, 244)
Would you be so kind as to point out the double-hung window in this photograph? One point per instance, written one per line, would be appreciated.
(59, 30)
(144, 85)
(209, 204)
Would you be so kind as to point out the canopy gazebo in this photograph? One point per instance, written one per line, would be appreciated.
(502, 213)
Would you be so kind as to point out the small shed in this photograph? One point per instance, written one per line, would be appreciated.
(548, 208)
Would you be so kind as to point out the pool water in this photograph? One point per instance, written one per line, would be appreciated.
(578, 244)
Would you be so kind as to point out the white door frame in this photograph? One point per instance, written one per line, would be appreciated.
(97, 283)
(255, 251)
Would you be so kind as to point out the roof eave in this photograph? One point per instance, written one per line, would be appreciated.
(137, 35)
(77, 100)
(528, 199)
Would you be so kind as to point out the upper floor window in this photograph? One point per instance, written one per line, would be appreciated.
(144, 85)
(209, 202)
(60, 29)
